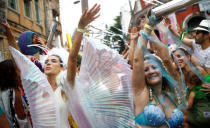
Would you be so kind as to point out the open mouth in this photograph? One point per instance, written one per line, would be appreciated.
(153, 76)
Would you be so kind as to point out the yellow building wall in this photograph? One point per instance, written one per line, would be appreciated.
(20, 23)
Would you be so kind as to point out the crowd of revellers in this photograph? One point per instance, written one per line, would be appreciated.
(160, 73)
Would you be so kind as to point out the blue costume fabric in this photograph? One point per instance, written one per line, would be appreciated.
(153, 116)
(1, 111)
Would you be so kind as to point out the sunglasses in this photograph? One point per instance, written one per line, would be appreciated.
(198, 32)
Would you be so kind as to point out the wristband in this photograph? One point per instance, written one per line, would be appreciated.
(80, 30)
(148, 27)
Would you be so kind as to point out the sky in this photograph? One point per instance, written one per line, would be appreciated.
(70, 13)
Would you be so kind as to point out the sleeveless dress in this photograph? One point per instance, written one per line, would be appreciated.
(63, 109)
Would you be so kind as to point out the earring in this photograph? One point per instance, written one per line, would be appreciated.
(150, 94)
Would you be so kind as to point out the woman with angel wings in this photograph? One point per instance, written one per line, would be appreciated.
(47, 101)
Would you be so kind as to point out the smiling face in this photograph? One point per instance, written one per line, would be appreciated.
(52, 66)
(181, 58)
(152, 72)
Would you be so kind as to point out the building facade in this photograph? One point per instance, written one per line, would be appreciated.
(35, 15)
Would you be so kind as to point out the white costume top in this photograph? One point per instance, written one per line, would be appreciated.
(63, 109)
(203, 56)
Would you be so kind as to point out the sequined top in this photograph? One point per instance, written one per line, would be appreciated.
(153, 116)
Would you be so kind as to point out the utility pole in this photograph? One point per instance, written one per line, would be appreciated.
(84, 4)
(133, 19)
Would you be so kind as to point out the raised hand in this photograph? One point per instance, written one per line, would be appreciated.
(8, 33)
(134, 33)
(88, 16)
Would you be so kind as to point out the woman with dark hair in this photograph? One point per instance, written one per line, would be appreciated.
(10, 96)
(9, 79)
(53, 65)
(187, 65)
(198, 100)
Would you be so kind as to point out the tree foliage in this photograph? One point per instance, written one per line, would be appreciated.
(115, 40)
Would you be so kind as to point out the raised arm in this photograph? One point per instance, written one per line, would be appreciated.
(138, 77)
(163, 53)
(87, 17)
(133, 40)
(9, 35)
(185, 40)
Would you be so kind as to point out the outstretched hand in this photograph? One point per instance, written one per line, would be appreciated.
(88, 16)
(8, 33)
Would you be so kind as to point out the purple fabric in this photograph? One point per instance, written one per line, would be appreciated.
(25, 39)
(39, 65)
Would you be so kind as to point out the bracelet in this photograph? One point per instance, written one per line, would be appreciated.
(148, 27)
(80, 30)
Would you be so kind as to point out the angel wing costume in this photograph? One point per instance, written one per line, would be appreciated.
(102, 94)
(42, 104)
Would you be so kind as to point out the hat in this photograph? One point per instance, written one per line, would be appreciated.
(203, 26)
(24, 42)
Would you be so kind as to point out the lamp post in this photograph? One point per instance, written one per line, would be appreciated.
(84, 4)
